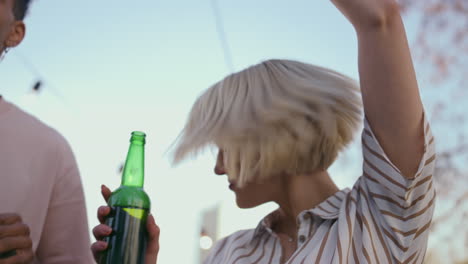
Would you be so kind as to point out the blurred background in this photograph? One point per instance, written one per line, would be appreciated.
(97, 70)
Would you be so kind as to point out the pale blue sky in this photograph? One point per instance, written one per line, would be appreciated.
(112, 67)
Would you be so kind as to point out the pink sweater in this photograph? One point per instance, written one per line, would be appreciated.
(39, 180)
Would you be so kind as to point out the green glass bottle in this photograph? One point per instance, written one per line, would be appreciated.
(130, 206)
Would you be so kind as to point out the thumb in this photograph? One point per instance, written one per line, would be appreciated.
(106, 192)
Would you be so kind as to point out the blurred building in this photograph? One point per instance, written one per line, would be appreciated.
(209, 231)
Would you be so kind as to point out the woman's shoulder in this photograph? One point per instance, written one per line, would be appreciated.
(226, 245)
(240, 235)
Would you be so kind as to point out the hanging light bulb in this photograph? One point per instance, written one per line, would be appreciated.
(37, 87)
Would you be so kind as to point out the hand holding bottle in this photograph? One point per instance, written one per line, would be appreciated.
(101, 231)
(15, 242)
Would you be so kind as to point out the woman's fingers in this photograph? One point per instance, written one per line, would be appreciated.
(97, 248)
(102, 213)
(101, 231)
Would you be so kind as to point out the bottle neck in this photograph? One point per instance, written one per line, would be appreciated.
(133, 173)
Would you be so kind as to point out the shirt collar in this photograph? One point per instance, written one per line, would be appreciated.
(330, 207)
(266, 224)
(327, 210)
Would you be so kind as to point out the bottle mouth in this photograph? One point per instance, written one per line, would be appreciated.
(138, 136)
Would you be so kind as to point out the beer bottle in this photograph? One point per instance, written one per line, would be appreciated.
(129, 209)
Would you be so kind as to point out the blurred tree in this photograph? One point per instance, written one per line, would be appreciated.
(442, 37)
(440, 49)
(441, 54)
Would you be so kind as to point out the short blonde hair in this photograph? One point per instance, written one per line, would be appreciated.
(279, 116)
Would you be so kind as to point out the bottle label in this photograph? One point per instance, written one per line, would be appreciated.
(136, 212)
(127, 243)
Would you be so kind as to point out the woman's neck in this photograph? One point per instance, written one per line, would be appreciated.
(299, 193)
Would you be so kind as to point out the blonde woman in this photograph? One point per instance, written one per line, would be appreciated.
(280, 124)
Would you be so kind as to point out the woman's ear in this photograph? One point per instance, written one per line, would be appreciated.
(16, 34)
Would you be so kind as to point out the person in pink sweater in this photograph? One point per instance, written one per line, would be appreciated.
(42, 206)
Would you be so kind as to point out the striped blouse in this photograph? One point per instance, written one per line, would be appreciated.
(384, 218)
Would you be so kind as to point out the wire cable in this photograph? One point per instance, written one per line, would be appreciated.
(222, 35)
(33, 70)
(41, 81)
